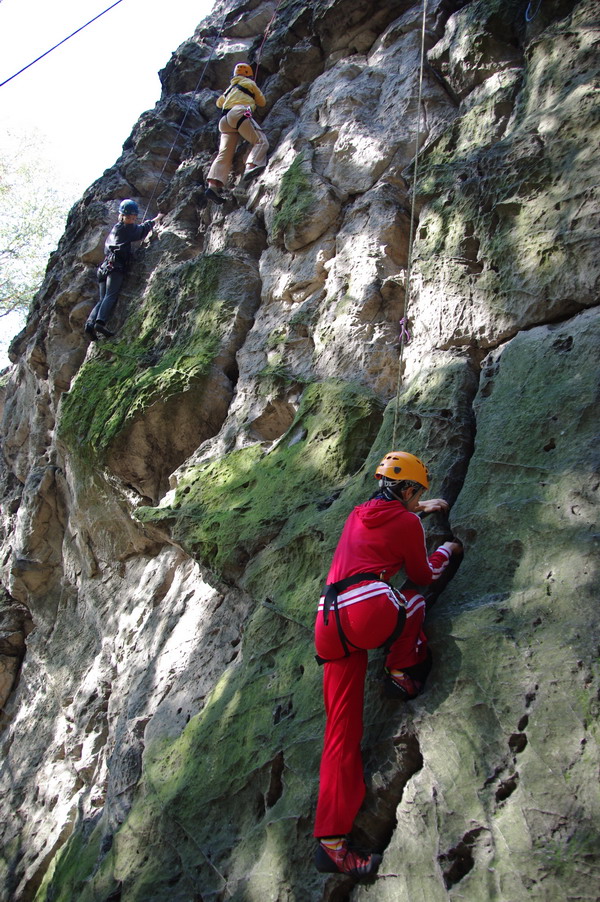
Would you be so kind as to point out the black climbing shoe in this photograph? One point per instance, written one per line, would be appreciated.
(101, 328)
(90, 332)
(250, 173)
(212, 195)
(343, 861)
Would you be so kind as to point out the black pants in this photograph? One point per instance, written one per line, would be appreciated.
(109, 294)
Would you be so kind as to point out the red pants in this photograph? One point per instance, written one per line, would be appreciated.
(366, 622)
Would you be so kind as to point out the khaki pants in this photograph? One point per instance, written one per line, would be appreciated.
(250, 131)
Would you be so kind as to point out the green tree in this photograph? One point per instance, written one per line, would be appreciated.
(34, 203)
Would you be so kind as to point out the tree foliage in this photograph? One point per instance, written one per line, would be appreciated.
(34, 202)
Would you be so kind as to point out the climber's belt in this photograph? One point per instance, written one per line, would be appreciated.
(330, 601)
(334, 589)
(247, 114)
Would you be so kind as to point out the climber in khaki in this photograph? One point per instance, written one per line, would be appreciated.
(359, 610)
(239, 102)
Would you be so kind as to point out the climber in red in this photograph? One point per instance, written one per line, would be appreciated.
(358, 611)
(239, 102)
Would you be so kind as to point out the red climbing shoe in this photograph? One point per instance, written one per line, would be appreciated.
(343, 861)
(401, 686)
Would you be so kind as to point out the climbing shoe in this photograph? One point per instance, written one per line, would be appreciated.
(400, 685)
(343, 861)
(250, 173)
(101, 328)
(212, 195)
(90, 332)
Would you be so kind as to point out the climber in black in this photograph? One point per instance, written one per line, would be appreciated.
(117, 257)
(239, 102)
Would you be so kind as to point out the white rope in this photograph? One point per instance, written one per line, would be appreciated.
(404, 333)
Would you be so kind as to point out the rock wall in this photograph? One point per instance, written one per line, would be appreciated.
(171, 497)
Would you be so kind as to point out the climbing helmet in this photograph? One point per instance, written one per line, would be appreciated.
(401, 466)
(128, 207)
(243, 69)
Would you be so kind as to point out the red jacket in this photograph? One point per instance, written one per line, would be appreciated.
(381, 537)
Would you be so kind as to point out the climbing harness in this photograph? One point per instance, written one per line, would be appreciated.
(404, 333)
(247, 114)
(107, 266)
(330, 600)
(238, 88)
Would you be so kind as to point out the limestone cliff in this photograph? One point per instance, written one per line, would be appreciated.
(171, 497)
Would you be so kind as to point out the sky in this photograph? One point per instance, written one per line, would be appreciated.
(85, 97)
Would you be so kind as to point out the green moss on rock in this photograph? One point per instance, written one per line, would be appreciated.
(294, 198)
(65, 879)
(168, 344)
(225, 511)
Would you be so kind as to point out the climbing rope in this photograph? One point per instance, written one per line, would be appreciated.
(269, 604)
(179, 130)
(265, 36)
(404, 333)
(530, 16)
(73, 33)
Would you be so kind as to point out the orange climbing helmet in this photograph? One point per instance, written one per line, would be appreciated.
(400, 466)
(243, 69)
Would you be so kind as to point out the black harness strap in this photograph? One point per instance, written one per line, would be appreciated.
(240, 88)
(333, 590)
(237, 124)
(399, 623)
(331, 600)
(241, 119)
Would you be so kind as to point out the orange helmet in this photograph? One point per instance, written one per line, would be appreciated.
(243, 69)
(400, 465)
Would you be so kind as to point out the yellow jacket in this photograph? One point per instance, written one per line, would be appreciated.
(233, 96)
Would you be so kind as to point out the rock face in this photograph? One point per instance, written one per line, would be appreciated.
(171, 498)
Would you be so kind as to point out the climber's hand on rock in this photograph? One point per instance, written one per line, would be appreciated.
(433, 504)
(454, 547)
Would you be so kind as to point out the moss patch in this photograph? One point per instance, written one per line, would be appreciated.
(225, 511)
(66, 877)
(294, 198)
(168, 344)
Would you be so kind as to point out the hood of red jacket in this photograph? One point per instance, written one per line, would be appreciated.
(376, 512)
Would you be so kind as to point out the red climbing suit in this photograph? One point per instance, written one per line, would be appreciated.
(379, 537)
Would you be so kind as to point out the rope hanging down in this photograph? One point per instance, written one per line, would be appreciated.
(182, 123)
(531, 14)
(73, 33)
(404, 334)
(265, 36)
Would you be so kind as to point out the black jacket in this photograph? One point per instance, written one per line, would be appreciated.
(120, 238)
